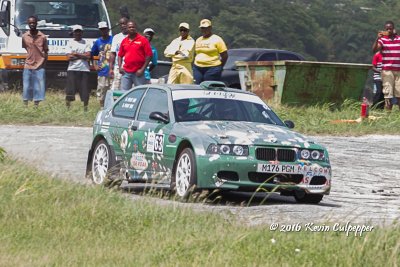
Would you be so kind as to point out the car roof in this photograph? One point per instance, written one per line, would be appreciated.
(202, 86)
(262, 50)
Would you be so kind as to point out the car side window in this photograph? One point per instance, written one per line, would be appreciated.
(154, 100)
(271, 56)
(287, 56)
(127, 106)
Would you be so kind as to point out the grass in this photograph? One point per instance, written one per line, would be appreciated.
(51, 111)
(50, 222)
(314, 120)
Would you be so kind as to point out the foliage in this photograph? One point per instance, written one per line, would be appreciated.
(49, 222)
(2, 153)
(339, 31)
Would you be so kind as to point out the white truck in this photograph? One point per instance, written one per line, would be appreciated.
(55, 19)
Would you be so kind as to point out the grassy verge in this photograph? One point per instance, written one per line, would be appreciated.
(52, 110)
(309, 120)
(48, 222)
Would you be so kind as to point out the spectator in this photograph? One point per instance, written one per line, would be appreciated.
(181, 50)
(101, 48)
(379, 100)
(78, 54)
(35, 43)
(116, 42)
(211, 55)
(149, 33)
(388, 43)
(136, 52)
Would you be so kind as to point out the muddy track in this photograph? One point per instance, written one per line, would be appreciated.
(365, 184)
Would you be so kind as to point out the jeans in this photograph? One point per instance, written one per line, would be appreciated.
(129, 79)
(33, 84)
(201, 74)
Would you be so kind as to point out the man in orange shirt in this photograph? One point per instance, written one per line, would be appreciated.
(35, 43)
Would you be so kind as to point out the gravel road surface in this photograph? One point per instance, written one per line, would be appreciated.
(365, 184)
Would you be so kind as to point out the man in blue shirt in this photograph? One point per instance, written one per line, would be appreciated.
(149, 33)
(101, 48)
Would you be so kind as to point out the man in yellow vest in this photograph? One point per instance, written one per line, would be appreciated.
(181, 50)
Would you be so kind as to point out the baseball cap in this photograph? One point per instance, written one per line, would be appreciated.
(102, 24)
(184, 25)
(148, 30)
(204, 23)
(77, 27)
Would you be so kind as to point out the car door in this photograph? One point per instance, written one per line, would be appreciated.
(149, 160)
(121, 121)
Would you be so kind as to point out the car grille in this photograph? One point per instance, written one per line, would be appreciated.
(288, 155)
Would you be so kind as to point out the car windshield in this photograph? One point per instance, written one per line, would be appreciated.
(222, 106)
(60, 15)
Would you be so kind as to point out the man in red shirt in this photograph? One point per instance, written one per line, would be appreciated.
(379, 100)
(135, 51)
(388, 42)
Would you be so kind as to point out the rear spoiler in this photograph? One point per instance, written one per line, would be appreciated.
(111, 97)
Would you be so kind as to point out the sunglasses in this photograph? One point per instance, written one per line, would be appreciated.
(183, 30)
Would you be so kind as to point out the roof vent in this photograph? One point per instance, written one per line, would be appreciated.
(213, 85)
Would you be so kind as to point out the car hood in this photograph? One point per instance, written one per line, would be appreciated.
(249, 133)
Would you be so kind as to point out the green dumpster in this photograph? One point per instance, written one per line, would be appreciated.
(303, 82)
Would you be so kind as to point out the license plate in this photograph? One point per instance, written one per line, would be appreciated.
(275, 168)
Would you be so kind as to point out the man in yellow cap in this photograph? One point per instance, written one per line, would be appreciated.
(181, 50)
(211, 55)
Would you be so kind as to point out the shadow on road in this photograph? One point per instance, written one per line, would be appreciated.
(217, 198)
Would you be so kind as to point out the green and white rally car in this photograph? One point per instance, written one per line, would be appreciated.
(204, 136)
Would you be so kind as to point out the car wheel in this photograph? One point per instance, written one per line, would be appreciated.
(184, 176)
(102, 163)
(302, 197)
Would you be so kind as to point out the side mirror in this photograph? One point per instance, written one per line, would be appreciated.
(4, 18)
(5, 13)
(289, 124)
(158, 116)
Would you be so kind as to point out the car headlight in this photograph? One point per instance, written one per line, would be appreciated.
(234, 150)
(311, 154)
(305, 154)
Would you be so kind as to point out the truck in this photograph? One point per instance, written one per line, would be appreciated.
(55, 20)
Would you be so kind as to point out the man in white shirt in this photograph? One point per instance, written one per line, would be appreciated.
(78, 54)
(113, 62)
(181, 50)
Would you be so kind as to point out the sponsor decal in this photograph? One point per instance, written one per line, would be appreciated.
(124, 140)
(155, 142)
(139, 162)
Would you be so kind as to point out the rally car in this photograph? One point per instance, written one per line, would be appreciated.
(204, 136)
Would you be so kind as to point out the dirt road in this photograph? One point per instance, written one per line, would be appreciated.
(365, 184)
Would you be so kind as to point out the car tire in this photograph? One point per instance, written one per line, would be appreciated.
(184, 178)
(103, 165)
(302, 197)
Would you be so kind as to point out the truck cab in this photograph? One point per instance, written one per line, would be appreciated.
(55, 19)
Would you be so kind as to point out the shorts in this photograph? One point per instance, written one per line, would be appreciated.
(391, 83)
(103, 85)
